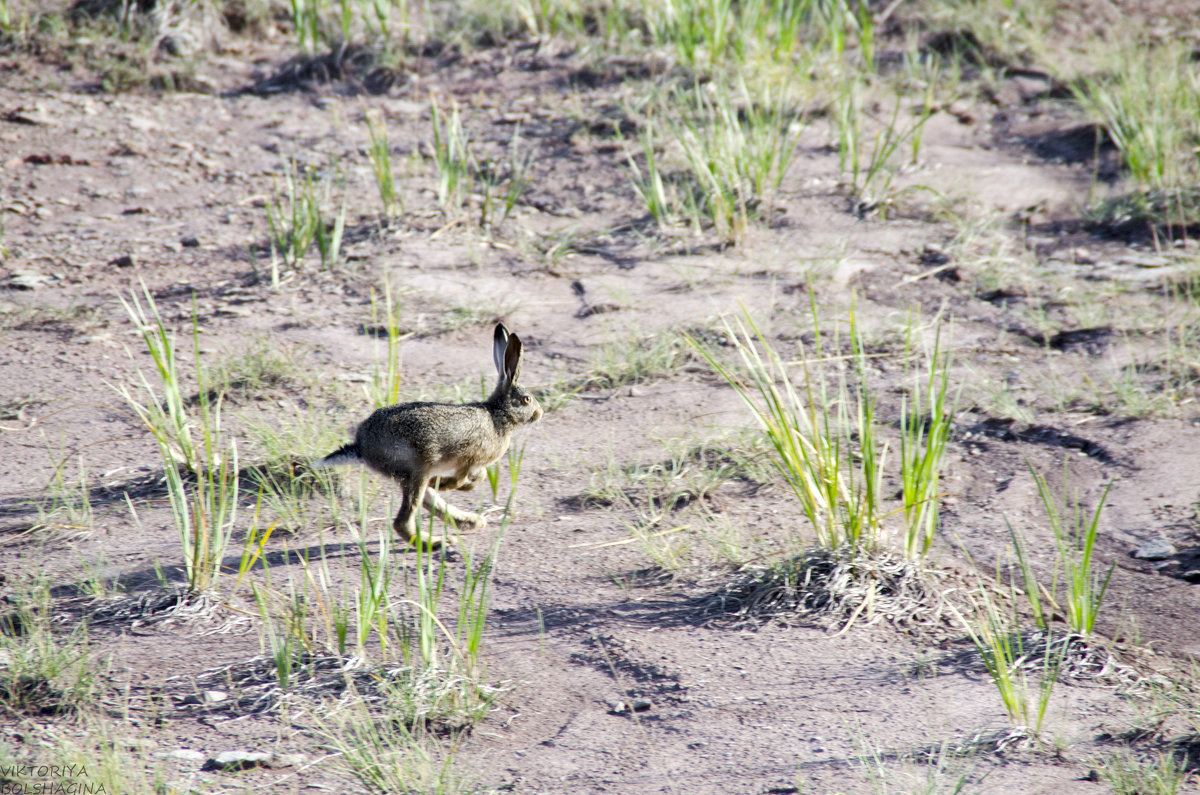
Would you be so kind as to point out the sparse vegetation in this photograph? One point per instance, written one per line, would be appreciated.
(330, 23)
(823, 434)
(1019, 661)
(380, 155)
(281, 479)
(730, 153)
(869, 162)
(385, 756)
(1148, 101)
(43, 670)
(466, 177)
(1075, 542)
(1163, 774)
(200, 462)
(328, 196)
(1023, 670)
(451, 157)
(257, 370)
(812, 428)
(667, 502)
(926, 423)
(637, 360)
(298, 219)
(66, 508)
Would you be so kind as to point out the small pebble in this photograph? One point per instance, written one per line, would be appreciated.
(28, 280)
(238, 760)
(1156, 548)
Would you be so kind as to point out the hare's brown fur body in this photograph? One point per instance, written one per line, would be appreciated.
(443, 445)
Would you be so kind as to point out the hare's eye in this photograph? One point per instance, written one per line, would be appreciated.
(526, 399)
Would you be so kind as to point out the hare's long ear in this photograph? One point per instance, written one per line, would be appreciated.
(512, 360)
(499, 346)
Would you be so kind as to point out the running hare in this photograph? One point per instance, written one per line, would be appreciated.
(443, 445)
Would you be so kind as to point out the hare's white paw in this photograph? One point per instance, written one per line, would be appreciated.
(467, 519)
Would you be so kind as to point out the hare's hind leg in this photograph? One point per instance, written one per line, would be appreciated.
(464, 480)
(434, 502)
(405, 523)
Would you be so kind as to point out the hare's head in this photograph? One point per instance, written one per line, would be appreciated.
(514, 404)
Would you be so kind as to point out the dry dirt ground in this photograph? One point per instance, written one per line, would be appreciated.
(103, 192)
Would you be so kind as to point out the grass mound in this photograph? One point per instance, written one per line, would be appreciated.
(357, 65)
(1076, 659)
(834, 588)
(1173, 211)
(417, 695)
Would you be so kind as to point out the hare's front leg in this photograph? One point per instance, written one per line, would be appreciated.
(461, 481)
(470, 480)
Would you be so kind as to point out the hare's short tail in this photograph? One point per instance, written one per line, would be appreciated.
(341, 457)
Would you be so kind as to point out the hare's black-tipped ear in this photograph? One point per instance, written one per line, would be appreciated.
(512, 360)
(499, 346)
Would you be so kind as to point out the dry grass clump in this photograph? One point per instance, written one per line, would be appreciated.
(416, 695)
(833, 587)
(1077, 658)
